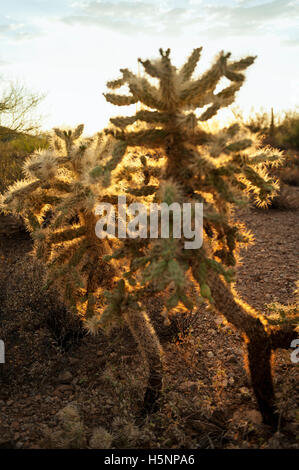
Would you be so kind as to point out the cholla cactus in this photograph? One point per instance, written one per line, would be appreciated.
(221, 169)
(69, 187)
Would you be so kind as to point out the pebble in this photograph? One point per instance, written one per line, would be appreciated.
(254, 416)
(244, 391)
(65, 377)
(191, 386)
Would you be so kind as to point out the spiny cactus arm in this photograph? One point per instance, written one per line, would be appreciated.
(238, 146)
(241, 64)
(269, 157)
(263, 187)
(115, 84)
(188, 68)
(206, 84)
(147, 94)
(65, 264)
(72, 205)
(44, 200)
(66, 235)
(42, 165)
(198, 137)
(59, 185)
(151, 138)
(221, 100)
(225, 190)
(117, 155)
(149, 117)
(168, 88)
(32, 222)
(78, 132)
(72, 252)
(69, 136)
(20, 190)
(151, 69)
(120, 100)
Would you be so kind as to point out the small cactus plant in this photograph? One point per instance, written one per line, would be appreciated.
(64, 186)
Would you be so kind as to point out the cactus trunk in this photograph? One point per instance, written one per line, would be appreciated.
(245, 319)
(150, 348)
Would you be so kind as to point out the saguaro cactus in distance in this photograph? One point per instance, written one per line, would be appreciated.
(220, 169)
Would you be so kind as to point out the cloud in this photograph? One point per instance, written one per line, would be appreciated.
(3, 63)
(292, 42)
(16, 31)
(257, 18)
(130, 17)
(212, 19)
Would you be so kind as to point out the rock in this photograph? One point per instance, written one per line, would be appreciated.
(254, 416)
(65, 377)
(73, 360)
(232, 360)
(231, 381)
(245, 392)
(210, 354)
(64, 388)
(7, 444)
(188, 386)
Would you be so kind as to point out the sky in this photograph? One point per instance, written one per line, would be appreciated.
(69, 49)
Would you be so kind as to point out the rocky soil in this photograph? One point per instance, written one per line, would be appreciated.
(207, 400)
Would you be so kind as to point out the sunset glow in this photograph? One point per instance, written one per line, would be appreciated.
(70, 49)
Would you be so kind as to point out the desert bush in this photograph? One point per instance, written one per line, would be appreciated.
(286, 199)
(13, 154)
(27, 310)
(72, 433)
(280, 130)
(287, 133)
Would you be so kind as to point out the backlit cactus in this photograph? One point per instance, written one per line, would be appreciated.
(68, 186)
(221, 169)
(64, 186)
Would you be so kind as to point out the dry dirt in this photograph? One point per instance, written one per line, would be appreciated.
(207, 400)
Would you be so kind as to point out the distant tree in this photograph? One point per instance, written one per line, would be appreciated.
(18, 111)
